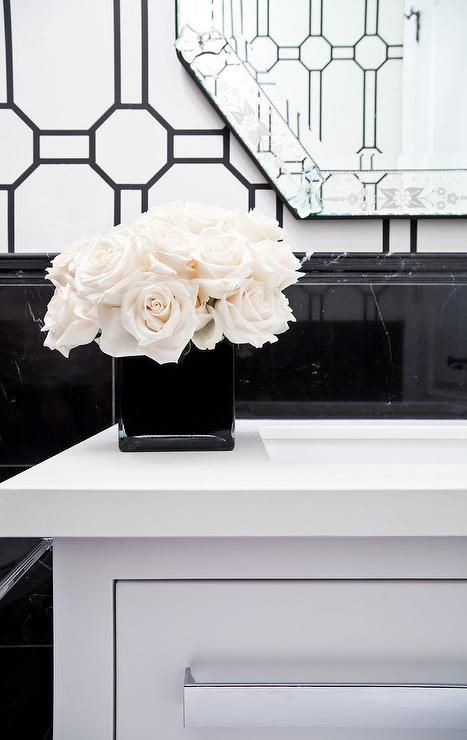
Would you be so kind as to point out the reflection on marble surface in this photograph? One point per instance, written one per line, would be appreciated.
(12, 550)
(26, 610)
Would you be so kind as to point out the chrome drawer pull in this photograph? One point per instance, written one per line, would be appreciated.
(423, 706)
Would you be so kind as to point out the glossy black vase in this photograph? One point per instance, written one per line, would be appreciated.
(184, 406)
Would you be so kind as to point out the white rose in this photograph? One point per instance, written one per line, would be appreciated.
(170, 213)
(202, 310)
(157, 318)
(254, 316)
(222, 261)
(275, 264)
(169, 247)
(256, 227)
(107, 264)
(210, 330)
(199, 216)
(192, 217)
(69, 321)
(62, 270)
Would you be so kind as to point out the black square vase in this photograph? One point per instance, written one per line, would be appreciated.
(187, 405)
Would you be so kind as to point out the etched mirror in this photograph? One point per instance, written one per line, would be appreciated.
(349, 107)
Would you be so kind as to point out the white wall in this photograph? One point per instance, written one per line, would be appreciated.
(63, 80)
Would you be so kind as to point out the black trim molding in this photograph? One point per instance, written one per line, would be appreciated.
(367, 266)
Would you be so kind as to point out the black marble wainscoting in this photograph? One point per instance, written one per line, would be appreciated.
(47, 402)
(375, 337)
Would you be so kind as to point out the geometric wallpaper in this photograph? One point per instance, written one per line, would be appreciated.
(99, 121)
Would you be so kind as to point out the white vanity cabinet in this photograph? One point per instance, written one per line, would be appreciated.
(279, 616)
(245, 633)
(248, 595)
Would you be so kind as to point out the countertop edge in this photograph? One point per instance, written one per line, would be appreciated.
(182, 514)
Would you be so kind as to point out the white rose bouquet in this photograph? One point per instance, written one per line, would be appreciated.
(182, 273)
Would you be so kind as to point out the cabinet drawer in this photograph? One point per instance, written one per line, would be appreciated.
(288, 632)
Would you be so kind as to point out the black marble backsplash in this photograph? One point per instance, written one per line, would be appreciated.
(384, 345)
(47, 403)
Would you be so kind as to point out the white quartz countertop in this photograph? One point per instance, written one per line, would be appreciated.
(306, 478)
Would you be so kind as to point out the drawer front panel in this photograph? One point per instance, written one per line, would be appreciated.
(283, 632)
